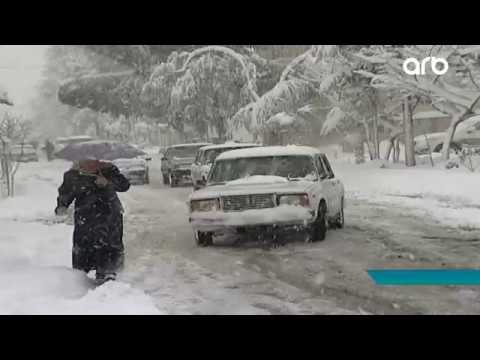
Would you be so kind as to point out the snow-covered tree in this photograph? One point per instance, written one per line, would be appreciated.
(64, 62)
(203, 88)
(457, 92)
(13, 130)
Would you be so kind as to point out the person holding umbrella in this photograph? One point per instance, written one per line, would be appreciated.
(98, 226)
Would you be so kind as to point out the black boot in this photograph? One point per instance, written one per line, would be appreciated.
(101, 278)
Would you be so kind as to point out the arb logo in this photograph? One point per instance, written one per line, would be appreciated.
(412, 66)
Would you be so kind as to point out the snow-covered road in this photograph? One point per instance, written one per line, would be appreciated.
(166, 273)
(322, 278)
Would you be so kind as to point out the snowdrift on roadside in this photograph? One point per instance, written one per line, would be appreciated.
(35, 257)
(450, 196)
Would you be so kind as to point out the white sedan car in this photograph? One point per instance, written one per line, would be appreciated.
(135, 170)
(467, 133)
(260, 189)
(205, 158)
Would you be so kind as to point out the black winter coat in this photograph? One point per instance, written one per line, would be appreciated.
(98, 233)
(88, 196)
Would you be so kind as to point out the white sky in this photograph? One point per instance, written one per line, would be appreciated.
(20, 70)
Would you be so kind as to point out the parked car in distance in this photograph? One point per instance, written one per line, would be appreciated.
(24, 153)
(177, 161)
(62, 142)
(467, 133)
(259, 189)
(135, 170)
(205, 158)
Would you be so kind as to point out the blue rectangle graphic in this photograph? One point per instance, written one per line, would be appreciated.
(425, 277)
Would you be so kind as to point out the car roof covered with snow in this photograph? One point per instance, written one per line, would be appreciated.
(229, 145)
(264, 151)
(188, 145)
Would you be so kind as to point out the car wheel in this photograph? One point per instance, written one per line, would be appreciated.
(172, 181)
(318, 229)
(166, 180)
(204, 239)
(340, 218)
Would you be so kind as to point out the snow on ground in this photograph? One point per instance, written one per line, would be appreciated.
(35, 256)
(35, 251)
(452, 197)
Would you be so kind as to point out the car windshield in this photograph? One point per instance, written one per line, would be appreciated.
(211, 154)
(182, 151)
(471, 124)
(291, 167)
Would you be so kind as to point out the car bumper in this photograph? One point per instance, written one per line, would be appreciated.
(182, 174)
(251, 219)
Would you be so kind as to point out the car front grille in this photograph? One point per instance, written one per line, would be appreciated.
(248, 202)
(181, 172)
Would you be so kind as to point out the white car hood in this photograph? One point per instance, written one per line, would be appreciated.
(246, 189)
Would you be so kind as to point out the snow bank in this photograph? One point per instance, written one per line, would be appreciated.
(450, 196)
(35, 256)
(35, 191)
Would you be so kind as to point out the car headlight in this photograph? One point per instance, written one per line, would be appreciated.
(205, 205)
(294, 199)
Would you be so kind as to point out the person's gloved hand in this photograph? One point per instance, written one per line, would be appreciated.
(101, 181)
(60, 210)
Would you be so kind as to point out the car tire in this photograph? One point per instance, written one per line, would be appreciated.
(172, 181)
(339, 222)
(204, 239)
(318, 230)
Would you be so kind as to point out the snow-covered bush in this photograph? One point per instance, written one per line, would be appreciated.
(13, 130)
